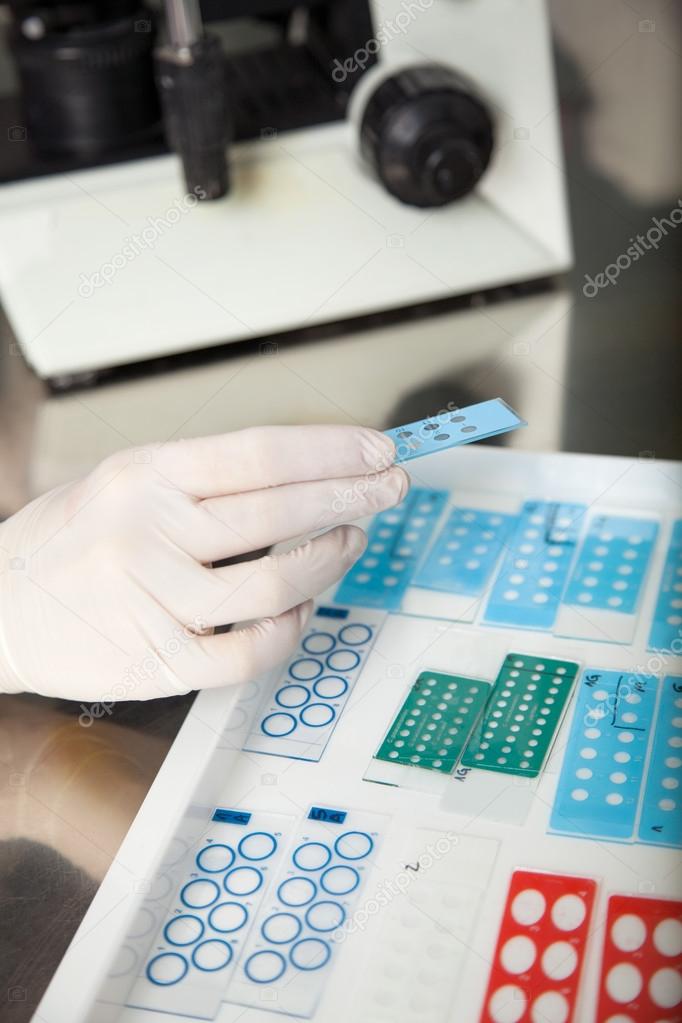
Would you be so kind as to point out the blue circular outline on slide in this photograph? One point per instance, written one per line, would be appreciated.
(351, 859)
(296, 905)
(270, 952)
(184, 916)
(340, 866)
(309, 969)
(322, 724)
(199, 880)
(230, 930)
(167, 983)
(257, 859)
(325, 902)
(243, 895)
(278, 735)
(217, 845)
(324, 678)
(286, 940)
(354, 625)
(310, 870)
(213, 969)
(316, 635)
(298, 661)
(292, 706)
(343, 650)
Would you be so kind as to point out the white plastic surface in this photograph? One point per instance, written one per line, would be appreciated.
(204, 769)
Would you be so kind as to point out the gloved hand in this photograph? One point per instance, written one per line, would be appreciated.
(106, 585)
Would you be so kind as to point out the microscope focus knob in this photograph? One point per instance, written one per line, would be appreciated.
(427, 134)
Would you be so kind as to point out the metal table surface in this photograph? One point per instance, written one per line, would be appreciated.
(590, 374)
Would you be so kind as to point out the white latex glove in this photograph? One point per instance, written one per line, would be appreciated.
(106, 589)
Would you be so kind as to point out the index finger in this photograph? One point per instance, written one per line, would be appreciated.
(268, 456)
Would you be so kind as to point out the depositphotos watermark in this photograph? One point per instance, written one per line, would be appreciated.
(411, 440)
(144, 671)
(411, 9)
(138, 243)
(641, 244)
(632, 685)
(658, 661)
(343, 499)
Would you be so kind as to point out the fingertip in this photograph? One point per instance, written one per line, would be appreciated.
(407, 481)
(355, 541)
(395, 485)
(378, 450)
(388, 445)
(305, 611)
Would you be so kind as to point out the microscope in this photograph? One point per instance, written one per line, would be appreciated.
(330, 159)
